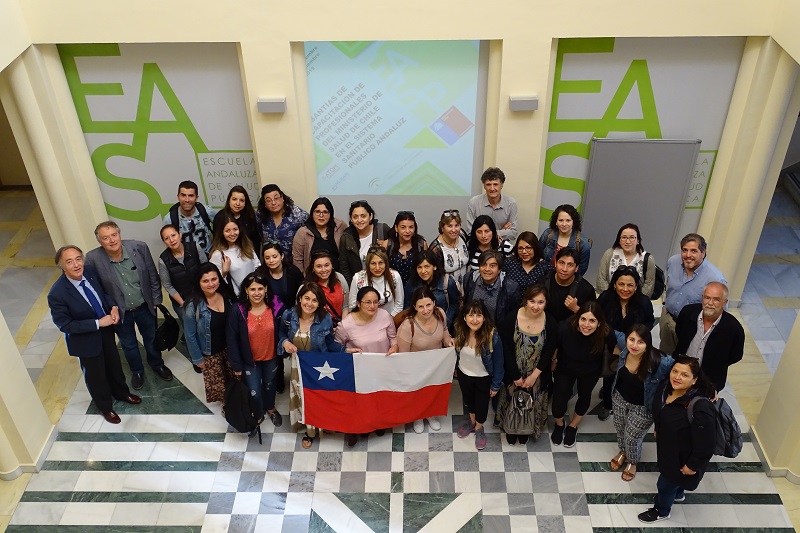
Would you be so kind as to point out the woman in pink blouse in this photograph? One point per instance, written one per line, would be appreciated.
(367, 328)
(425, 328)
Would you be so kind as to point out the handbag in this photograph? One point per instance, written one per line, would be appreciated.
(168, 332)
(610, 362)
(518, 418)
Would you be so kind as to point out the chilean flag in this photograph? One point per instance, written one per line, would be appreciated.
(362, 392)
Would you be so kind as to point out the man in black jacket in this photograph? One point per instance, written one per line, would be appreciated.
(709, 333)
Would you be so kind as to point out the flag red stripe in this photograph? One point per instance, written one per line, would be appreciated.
(351, 412)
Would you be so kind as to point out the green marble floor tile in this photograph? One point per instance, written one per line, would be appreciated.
(419, 509)
(589, 466)
(692, 498)
(133, 466)
(159, 397)
(115, 497)
(317, 525)
(475, 524)
(140, 437)
(397, 482)
(372, 509)
(398, 442)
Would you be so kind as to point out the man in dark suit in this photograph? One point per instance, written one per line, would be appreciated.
(129, 276)
(709, 333)
(83, 312)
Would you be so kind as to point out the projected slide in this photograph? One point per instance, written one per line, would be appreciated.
(393, 117)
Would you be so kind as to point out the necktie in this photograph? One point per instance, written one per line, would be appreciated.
(98, 309)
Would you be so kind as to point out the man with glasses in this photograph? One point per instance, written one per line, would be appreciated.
(192, 217)
(502, 208)
(709, 333)
(687, 275)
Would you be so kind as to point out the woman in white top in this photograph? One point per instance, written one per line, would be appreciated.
(452, 244)
(627, 251)
(233, 254)
(385, 280)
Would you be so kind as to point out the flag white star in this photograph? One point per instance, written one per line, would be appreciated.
(326, 371)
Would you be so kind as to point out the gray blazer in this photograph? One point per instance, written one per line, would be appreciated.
(145, 267)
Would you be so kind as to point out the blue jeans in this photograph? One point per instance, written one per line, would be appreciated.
(668, 491)
(146, 322)
(260, 379)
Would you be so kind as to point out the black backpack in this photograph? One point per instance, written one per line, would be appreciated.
(729, 441)
(660, 283)
(239, 407)
(173, 215)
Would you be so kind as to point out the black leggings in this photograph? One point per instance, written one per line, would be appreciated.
(475, 392)
(562, 391)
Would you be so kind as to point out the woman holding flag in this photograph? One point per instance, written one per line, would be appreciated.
(425, 328)
(367, 328)
(305, 327)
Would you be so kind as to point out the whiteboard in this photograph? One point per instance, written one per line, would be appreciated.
(643, 181)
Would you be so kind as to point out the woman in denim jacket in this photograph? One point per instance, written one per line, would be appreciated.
(640, 370)
(565, 232)
(204, 321)
(481, 379)
(305, 327)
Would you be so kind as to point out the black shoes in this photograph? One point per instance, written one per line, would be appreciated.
(137, 381)
(557, 437)
(276, 418)
(164, 373)
(603, 414)
(569, 436)
(651, 515)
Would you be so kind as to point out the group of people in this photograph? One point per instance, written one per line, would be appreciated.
(252, 286)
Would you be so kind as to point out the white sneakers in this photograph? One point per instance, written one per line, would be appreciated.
(419, 425)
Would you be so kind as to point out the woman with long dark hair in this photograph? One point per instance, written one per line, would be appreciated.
(385, 280)
(404, 244)
(479, 367)
(205, 320)
(627, 250)
(428, 271)
(684, 448)
(233, 253)
(484, 237)
(336, 288)
(251, 337)
(363, 233)
(526, 265)
(564, 231)
(529, 339)
(321, 232)
(582, 341)
(278, 217)
(239, 208)
(640, 371)
(624, 305)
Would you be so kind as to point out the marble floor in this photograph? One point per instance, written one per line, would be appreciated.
(173, 465)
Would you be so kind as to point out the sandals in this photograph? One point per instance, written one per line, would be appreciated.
(617, 462)
(307, 441)
(629, 473)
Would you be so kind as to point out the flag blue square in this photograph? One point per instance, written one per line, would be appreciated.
(329, 371)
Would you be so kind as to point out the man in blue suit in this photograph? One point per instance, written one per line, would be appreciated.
(86, 316)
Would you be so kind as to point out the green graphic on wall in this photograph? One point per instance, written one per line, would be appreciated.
(143, 138)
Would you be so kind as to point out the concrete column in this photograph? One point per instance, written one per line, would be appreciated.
(25, 429)
(761, 118)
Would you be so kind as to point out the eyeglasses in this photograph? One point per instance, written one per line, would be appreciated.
(273, 200)
(628, 238)
(359, 203)
(321, 213)
(450, 213)
(376, 248)
(524, 248)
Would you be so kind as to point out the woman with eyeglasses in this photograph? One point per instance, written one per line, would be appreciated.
(306, 327)
(370, 329)
(424, 328)
(565, 232)
(332, 283)
(239, 208)
(205, 323)
(623, 305)
(363, 232)
(526, 265)
(385, 280)
(284, 279)
(251, 336)
(404, 244)
(452, 245)
(321, 232)
(429, 272)
(484, 237)
(627, 250)
(233, 254)
(278, 217)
